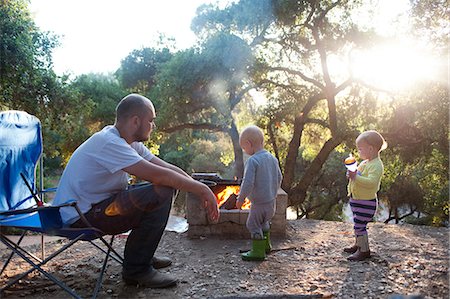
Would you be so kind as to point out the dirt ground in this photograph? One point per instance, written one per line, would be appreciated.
(308, 263)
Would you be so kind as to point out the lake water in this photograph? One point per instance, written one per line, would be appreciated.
(381, 214)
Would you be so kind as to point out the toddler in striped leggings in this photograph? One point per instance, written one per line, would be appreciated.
(363, 186)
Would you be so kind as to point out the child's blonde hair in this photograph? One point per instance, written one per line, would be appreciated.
(254, 134)
(374, 139)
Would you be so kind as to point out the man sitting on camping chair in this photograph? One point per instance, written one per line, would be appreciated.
(97, 178)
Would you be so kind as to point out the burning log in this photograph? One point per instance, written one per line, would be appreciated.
(230, 203)
(227, 198)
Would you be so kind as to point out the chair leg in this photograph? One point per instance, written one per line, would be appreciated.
(12, 252)
(116, 256)
(17, 249)
(105, 262)
(9, 242)
(38, 267)
(42, 247)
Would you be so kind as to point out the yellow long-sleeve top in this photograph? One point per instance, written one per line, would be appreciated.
(367, 182)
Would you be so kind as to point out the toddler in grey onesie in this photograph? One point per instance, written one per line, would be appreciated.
(262, 178)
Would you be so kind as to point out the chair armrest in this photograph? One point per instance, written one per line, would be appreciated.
(36, 209)
(18, 212)
(48, 190)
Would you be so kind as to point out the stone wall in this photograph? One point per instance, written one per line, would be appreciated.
(231, 223)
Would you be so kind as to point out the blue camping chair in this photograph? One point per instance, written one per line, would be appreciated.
(21, 206)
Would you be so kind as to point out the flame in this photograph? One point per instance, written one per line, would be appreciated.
(246, 205)
(227, 192)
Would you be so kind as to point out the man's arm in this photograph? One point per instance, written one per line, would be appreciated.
(162, 163)
(166, 176)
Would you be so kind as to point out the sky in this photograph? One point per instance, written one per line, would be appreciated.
(95, 35)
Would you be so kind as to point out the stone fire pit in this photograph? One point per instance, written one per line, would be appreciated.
(232, 223)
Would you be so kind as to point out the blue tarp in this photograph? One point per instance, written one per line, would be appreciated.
(20, 149)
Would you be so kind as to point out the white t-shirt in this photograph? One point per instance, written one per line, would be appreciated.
(94, 172)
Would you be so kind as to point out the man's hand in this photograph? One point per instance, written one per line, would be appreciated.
(210, 204)
(160, 174)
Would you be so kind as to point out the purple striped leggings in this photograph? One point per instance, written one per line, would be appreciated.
(363, 211)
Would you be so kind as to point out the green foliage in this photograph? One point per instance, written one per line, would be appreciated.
(229, 58)
(207, 156)
(328, 193)
(196, 85)
(198, 152)
(27, 81)
(405, 191)
(432, 172)
(25, 59)
(104, 92)
(175, 149)
(430, 19)
(244, 15)
(138, 70)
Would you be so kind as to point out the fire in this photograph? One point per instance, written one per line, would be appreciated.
(227, 192)
(246, 205)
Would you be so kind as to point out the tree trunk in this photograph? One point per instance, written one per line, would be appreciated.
(273, 141)
(297, 194)
(238, 156)
(292, 154)
(294, 144)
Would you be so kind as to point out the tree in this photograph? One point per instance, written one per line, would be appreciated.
(430, 20)
(200, 88)
(104, 93)
(405, 192)
(138, 70)
(418, 127)
(296, 40)
(28, 82)
(25, 59)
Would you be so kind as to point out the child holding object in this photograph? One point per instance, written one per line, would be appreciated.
(262, 178)
(363, 186)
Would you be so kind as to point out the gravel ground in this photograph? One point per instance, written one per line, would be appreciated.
(308, 263)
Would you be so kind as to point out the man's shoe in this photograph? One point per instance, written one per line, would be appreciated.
(161, 262)
(152, 279)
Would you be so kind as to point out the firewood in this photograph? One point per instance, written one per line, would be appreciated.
(230, 203)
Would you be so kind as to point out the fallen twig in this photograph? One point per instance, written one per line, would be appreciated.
(273, 249)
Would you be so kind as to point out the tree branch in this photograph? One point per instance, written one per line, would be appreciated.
(300, 74)
(333, 5)
(194, 126)
(344, 85)
(236, 99)
(317, 121)
(285, 86)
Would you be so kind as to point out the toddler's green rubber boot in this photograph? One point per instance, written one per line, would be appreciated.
(268, 243)
(258, 251)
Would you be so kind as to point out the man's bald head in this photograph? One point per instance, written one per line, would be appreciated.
(131, 105)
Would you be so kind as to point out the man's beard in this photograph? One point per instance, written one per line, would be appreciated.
(140, 136)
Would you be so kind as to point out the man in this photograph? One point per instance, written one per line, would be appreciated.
(97, 178)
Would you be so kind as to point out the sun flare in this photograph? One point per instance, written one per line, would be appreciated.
(394, 66)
